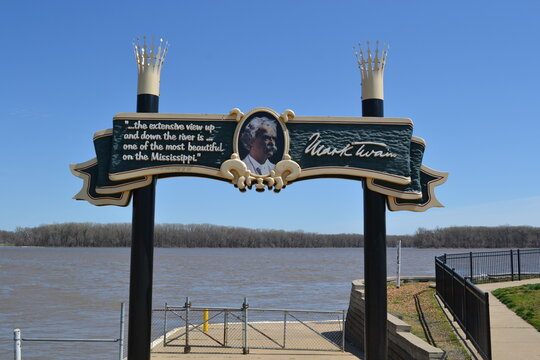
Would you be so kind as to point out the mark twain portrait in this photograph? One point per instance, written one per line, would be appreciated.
(259, 139)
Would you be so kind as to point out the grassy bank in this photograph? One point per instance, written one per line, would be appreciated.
(523, 300)
(415, 304)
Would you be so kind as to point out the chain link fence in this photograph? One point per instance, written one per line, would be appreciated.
(189, 328)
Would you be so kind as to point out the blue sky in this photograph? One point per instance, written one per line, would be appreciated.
(465, 72)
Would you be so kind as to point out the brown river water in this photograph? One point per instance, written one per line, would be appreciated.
(76, 292)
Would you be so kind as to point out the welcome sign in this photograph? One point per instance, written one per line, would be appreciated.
(260, 149)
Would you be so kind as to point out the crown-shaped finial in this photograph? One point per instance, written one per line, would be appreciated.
(150, 58)
(371, 64)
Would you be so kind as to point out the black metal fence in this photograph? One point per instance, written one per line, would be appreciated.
(456, 275)
(468, 304)
(491, 266)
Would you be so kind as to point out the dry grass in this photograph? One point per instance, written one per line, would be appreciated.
(415, 304)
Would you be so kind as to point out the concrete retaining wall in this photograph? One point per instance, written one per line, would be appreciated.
(402, 345)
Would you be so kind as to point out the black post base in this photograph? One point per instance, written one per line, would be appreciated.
(375, 322)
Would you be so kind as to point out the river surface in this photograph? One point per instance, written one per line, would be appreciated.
(76, 292)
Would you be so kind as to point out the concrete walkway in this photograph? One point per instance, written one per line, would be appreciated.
(299, 336)
(257, 355)
(511, 336)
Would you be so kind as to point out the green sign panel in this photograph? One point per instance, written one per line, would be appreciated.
(169, 146)
(261, 149)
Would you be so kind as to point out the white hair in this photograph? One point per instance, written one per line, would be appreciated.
(250, 131)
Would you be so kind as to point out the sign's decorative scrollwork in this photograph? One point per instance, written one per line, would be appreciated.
(285, 171)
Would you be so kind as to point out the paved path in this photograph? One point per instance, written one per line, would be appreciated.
(511, 336)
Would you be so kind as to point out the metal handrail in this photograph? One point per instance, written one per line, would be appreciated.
(202, 308)
(69, 340)
(18, 339)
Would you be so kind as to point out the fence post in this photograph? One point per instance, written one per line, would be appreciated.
(205, 320)
(165, 327)
(343, 329)
(245, 307)
(465, 315)
(187, 305)
(440, 281)
(519, 265)
(445, 285)
(284, 329)
(452, 290)
(122, 329)
(488, 326)
(470, 266)
(17, 343)
(398, 265)
(225, 328)
(512, 263)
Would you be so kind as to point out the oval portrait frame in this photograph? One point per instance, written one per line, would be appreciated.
(282, 136)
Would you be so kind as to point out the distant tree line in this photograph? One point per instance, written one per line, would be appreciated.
(477, 237)
(206, 235)
(171, 235)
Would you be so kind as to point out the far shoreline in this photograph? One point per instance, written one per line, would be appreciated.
(118, 235)
(253, 247)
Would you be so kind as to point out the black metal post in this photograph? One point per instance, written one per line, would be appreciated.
(512, 263)
(187, 306)
(464, 316)
(470, 266)
(519, 264)
(142, 257)
(375, 327)
(488, 326)
(453, 294)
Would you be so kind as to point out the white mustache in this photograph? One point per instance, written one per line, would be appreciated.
(270, 148)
